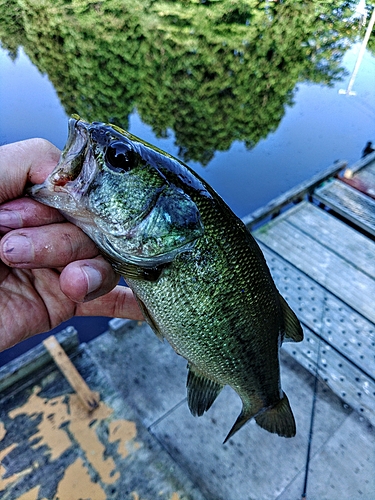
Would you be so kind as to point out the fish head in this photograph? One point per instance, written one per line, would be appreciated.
(125, 194)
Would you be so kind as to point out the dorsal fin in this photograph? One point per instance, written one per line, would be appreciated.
(201, 391)
(292, 327)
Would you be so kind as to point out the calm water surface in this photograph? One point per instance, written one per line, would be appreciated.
(313, 124)
(320, 127)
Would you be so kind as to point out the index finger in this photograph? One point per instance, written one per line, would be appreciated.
(25, 212)
(25, 162)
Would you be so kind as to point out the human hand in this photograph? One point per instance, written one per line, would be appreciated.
(50, 270)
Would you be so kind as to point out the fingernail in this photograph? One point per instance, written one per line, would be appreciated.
(94, 279)
(11, 219)
(18, 249)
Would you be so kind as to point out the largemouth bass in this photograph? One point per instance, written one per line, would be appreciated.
(198, 275)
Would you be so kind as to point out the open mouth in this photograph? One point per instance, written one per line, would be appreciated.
(73, 155)
(69, 179)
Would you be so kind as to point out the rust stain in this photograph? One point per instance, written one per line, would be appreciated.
(124, 431)
(77, 485)
(175, 496)
(135, 495)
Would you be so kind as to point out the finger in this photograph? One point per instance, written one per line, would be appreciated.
(52, 246)
(119, 303)
(25, 212)
(23, 162)
(87, 279)
(4, 272)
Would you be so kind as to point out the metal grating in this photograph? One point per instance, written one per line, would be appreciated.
(347, 339)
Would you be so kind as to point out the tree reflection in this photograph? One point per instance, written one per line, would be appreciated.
(213, 71)
(371, 42)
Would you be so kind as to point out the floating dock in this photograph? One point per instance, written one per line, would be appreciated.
(139, 440)
(321, 253)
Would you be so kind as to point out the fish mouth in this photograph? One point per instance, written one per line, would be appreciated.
(69, 179)
(73, 155)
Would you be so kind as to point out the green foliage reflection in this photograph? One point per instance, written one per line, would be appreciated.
(213, 71)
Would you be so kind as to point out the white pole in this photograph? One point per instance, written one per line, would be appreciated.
(362, 50)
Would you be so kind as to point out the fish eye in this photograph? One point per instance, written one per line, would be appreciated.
(119, 157)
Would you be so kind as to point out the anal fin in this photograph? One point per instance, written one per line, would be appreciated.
(201, 391)
(242, 418)
(278, 419)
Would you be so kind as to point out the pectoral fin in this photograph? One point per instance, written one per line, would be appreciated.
(201, 391)
(133, 271)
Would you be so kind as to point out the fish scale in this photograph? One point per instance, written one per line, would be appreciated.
(197, 273)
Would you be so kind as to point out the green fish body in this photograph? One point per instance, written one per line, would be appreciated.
(199, 276)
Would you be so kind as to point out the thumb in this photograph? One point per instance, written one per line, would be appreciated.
(25, 161)
(119, 303)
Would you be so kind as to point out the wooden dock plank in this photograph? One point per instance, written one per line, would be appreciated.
(370, 168)
(364, 162)
(349, 203)
(335, 235)
(367, 175)
(325, 269)
(52, 448)
(337, 275)
(89, 399)
(348, 332)
(35, 360)
(363, 180)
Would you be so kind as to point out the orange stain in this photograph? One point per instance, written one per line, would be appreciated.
(77, 485)
(125, 432)
(64, 423)
(31, 494)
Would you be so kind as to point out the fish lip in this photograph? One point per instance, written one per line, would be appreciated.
(71, 176)
(72, 160)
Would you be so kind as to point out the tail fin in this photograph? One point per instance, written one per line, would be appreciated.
(278, 419)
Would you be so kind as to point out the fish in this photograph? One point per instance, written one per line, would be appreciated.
(198, 275)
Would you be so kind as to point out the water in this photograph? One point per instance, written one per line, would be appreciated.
(321, 127)
(308, 126)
